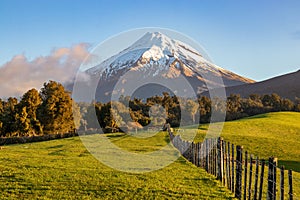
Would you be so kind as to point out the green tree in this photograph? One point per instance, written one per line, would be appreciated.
(297, 104)
(9, 122)
(22, 125)
(1, 127)
(204, 109)
(77, 115)
(276, 102)
(252, 106)
(287, 105)
(106, 119)
(55, 113)
(1, 116)
(192, 108)
(271, 102)
(93, 116)
(1, 106)
(234, 107)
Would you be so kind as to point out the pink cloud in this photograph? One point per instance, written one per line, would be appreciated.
(19, 74)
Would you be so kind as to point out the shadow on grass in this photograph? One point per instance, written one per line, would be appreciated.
(116, 135)
(257, 116)
(289, 164)
(203, 128)
(56, 146)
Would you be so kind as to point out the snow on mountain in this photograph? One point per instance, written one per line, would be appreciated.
(156, 50)
(157, 55)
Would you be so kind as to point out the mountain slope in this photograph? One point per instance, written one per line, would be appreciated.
(287, 86)
(159, 59)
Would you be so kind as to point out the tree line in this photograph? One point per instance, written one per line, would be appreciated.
(179, 112)
(37, 113)
(52, 110)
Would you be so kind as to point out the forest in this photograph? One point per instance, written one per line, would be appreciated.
(52, 110)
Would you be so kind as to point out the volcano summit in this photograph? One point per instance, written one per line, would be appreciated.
(160, 60)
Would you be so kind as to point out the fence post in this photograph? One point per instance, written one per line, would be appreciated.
(245, 175)
(179, 146)
(275, 178)
(228, 166)
(239, 168)
(219, 159)
(187, 149)
(256, 178)
(182, 146)
(206, 156)
(282, 183)
(190, 152)
(250, 177)
(197, 153)
(232, 168)
(210, 156)
(214, 144)
(261, 179)
(272, 179)
(203, 155)
(193, 152)
(290, 185)
(213, 156)
(224, 162)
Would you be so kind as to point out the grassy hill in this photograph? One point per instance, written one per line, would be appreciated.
(64, 169)
(266, 135)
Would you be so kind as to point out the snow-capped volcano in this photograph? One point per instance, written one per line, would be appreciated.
(157, 55)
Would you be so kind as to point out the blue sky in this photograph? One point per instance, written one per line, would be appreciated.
(256, 39)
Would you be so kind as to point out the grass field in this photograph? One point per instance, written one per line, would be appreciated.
(64, 169)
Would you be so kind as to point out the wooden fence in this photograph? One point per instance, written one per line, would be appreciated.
(247, 177)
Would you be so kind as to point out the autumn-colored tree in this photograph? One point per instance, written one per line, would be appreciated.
(27, 113)
(55, 113)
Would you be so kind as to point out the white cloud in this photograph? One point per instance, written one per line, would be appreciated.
(19, 74)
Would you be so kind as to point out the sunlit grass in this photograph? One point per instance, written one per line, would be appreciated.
(64, 169)
(273, 134)
(266, 135)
